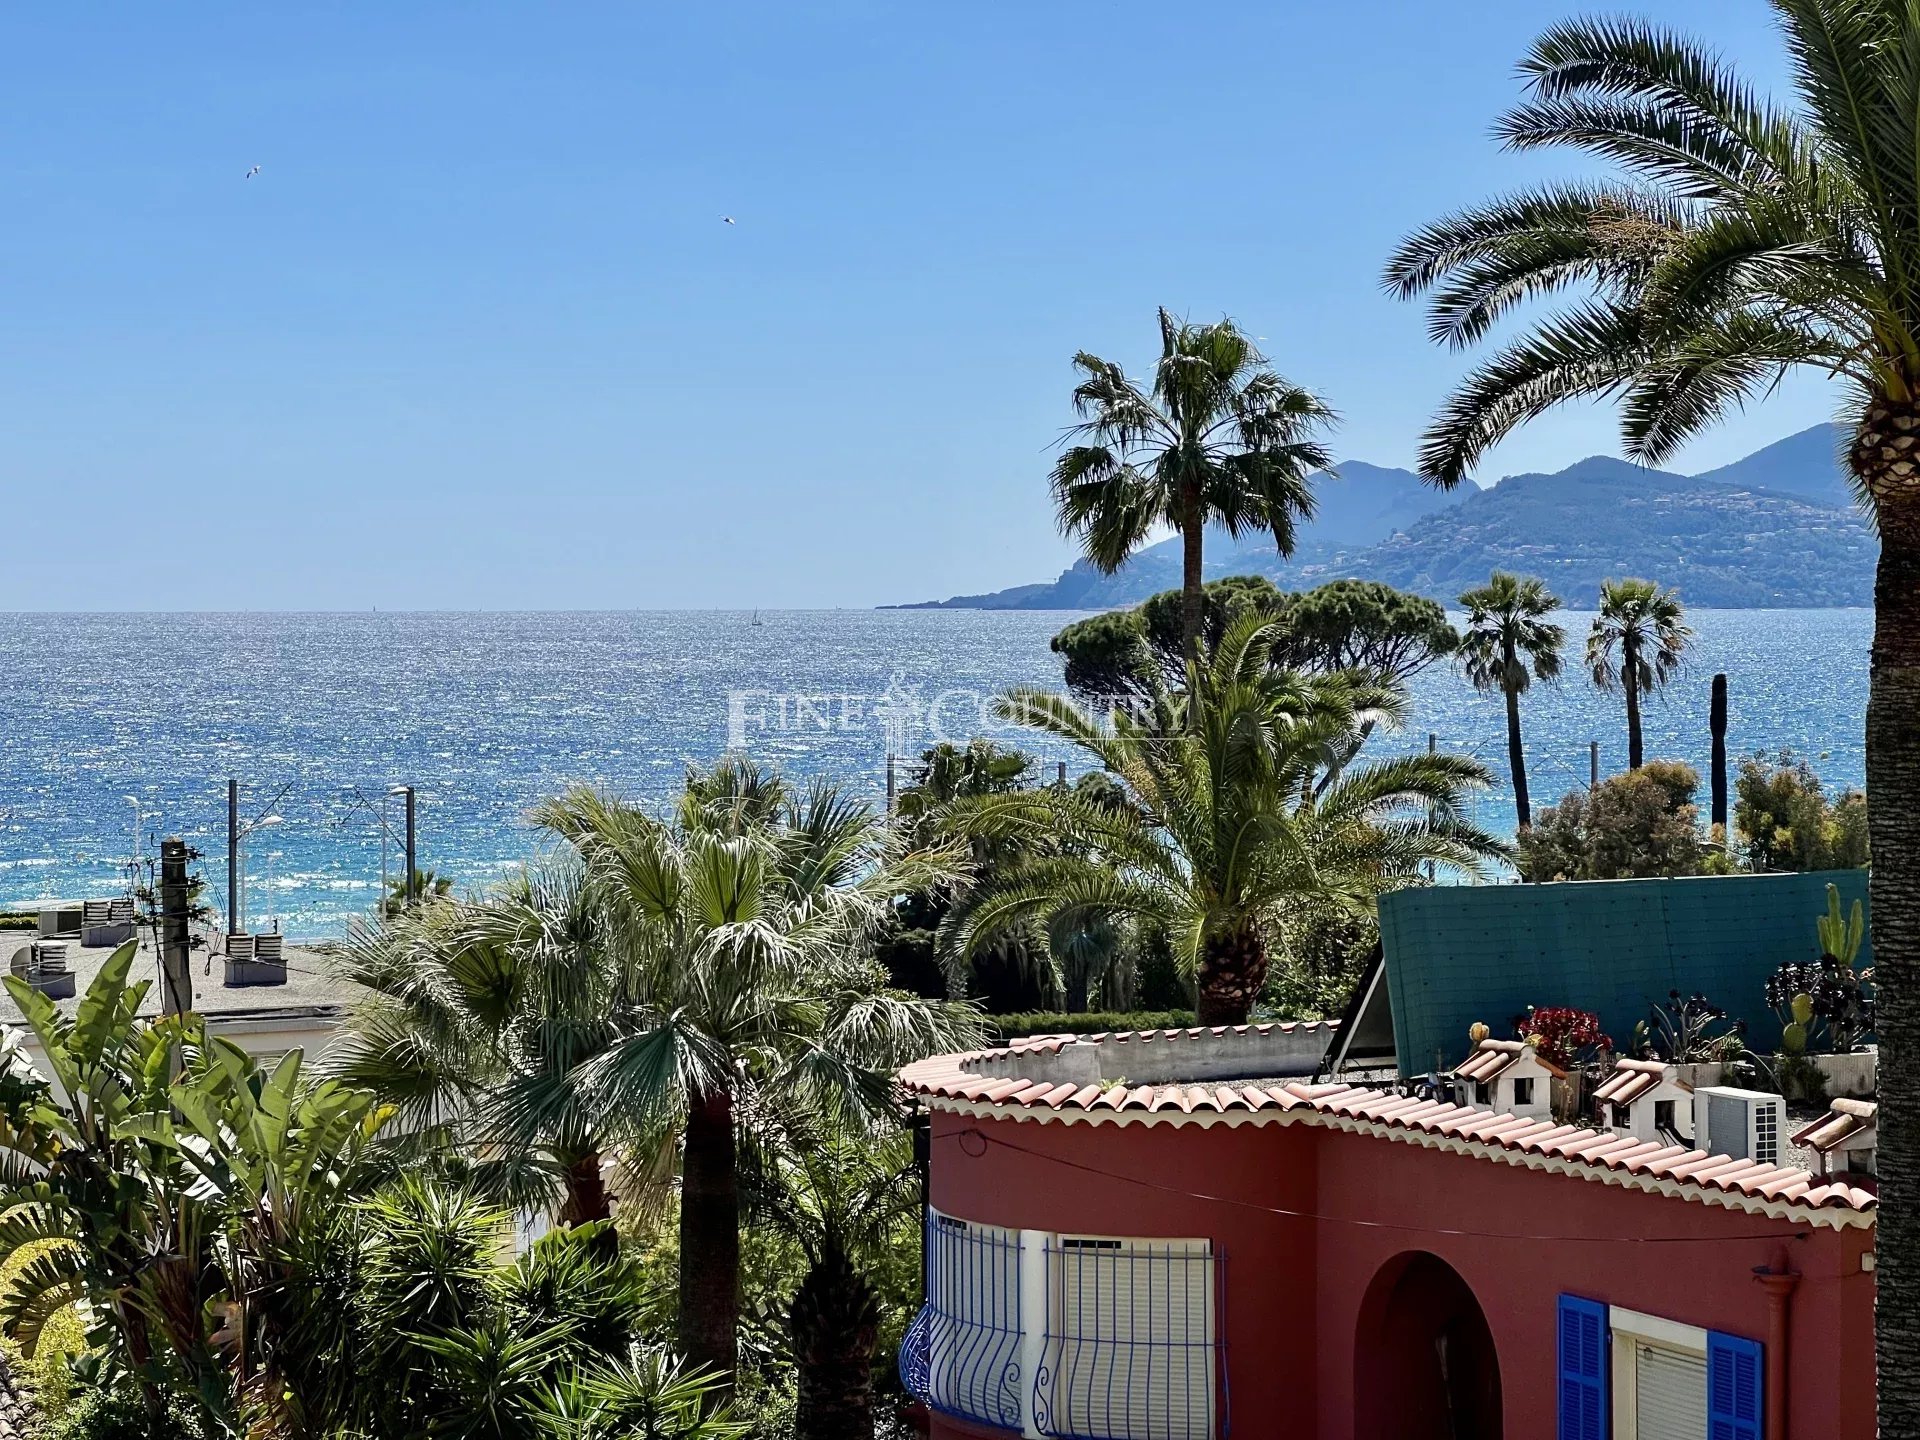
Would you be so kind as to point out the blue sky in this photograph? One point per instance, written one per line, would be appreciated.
(476, 336)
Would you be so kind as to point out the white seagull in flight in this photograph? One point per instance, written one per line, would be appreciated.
(726, 220)
(253, 172)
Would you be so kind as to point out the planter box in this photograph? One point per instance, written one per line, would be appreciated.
(1856, 1075)
(106, 937)
(254, 972)
(1701, 1072)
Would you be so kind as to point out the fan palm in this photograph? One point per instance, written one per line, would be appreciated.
(1243, 801)
(842, 1198)
(1218, 438)
(1509, 643)
(1737, 240)
(745, 978)
(1638, 639)
(479, 1021)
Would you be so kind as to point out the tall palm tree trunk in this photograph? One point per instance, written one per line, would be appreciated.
(1193, 577)
(835, 1323)
(710, 1237)
(1630, 677)
(1233, 969)
(586, 1198)
(1893, 824)
(1517, 762)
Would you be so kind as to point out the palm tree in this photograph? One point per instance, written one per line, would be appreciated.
(1736, 241)
(1218, 438)
(479, 1021)
(742, 951)
(425, 885)
(1510, 643)
(1636, 645)
(1243, 801)
(842, 1199)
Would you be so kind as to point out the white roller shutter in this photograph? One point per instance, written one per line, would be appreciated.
(1132, 1347)
(1671, 1400)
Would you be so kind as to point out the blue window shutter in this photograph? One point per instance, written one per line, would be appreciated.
(1735, 1372)
(1583, 1369)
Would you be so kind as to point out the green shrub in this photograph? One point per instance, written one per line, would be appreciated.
(1630, 826)
(1093, 1022)
(118, 1413)
(1784, 820)
(19, 920)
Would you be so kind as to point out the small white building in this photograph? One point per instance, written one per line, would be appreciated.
(1508, 1077)
(1647, 1100)
(1845, 1138)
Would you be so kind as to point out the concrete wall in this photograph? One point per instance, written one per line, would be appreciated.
(1171, 1057)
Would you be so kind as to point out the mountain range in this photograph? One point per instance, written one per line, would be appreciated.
(1776, 529)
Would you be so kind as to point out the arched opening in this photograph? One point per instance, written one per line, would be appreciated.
(1424, 1366)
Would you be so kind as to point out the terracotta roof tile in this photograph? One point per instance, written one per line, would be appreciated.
(1846, 1119)
(1630, 1080)
(957, 1077)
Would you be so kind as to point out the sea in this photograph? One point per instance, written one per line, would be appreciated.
(119, 730)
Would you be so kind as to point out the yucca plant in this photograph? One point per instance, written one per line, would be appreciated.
(1242, 798)
(1734, 241)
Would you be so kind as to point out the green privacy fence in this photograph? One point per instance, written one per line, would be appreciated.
(1460, 953)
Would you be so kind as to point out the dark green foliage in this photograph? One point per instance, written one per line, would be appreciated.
(1638, 824)
(1362, 625)
(1093, 1022)
(118, 1412)
(1783, 819)
(578, 1280)
(19, 920)
(1125, 652)
(912, 962)
(1346, 624)
(1322, 952)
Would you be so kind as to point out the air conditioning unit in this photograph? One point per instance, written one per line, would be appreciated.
(1746, 1124)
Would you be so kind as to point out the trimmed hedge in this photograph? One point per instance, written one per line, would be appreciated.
(19, 920)
(1093, 1022)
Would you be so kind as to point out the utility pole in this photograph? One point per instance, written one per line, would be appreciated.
(413, 870)
(1717, 722)
(176, 973)
(892, 787)
(1593, 763)
(1063, 774)
(233, 857)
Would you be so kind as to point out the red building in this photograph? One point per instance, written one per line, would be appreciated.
(1176, 1236)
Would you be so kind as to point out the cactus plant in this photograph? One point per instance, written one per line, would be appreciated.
(1793, 1038)
(1841, 935)
(1802, 1008)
